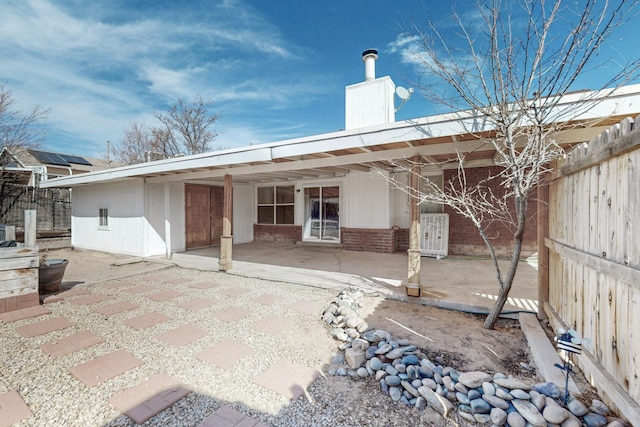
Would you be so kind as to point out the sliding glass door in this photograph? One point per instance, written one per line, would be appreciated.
(322, 213)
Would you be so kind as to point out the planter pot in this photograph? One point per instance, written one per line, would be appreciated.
(50, 275)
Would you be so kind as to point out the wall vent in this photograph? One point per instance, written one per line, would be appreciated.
(435, 234)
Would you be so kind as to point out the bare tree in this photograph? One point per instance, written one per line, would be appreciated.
(509, 67)
(185, 129)
(17, 128)
(188, 127)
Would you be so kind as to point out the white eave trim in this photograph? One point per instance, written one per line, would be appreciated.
(626, 98)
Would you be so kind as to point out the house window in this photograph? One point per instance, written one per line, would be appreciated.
(425, 188)
(276, 204)
(103, 218)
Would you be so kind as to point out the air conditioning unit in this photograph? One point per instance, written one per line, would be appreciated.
(435, 234)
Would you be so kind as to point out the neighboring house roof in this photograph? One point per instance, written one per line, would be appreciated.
(436, 138)
(30, 157)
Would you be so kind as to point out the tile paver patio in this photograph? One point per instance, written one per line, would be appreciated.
(305, 307)
(267, 299)
(234, 292)
(164, 295)
(176, 281)
(182, 335)
(225, 353)
(115, 308)
(12, 408)
(71, 344)
(91, 299)
(203, 285)
(288, 379)
(196, 304)
(118, 285)
(105, 367)
(271, 325)
(25, 313)
(139, 289)
(231, 314)
(44, 327)
(147, 320)
(149, 398)
(226, 416)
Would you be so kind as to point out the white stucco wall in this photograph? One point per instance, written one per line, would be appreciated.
(127, 225)
(366, 201)
(400, 203)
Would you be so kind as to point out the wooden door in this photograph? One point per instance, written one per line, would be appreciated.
(216, 213)
(197, 213)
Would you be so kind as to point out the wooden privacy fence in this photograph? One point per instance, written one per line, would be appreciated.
(53, 206)
(593, 268)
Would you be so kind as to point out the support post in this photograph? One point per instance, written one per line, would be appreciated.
(30, 227)
(413, 281)
(10, 232)
(167, 220)
(543, 251)
(226, 240)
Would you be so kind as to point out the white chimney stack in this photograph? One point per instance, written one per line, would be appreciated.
(369, 57)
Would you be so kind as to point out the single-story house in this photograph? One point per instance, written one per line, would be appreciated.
(323, 188)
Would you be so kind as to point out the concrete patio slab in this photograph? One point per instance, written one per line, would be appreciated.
(24, 313)
(105, 367)
(288, 379)
(91, 299)
(140, 289)
(225, 353)
(165, 295)
(229, 417)
(176, 281)
(271, 325)
(234, 292)
(118, 285)
(267, 299)
(231, 314)
(44, 327)
(203, 285)
(305, 307)
(12, 409)
(71, 344)
(115, 308)
(147, 399)
(197, 304)
(147, 320)
(182, 335)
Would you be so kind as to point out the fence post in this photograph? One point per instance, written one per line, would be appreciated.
(10, 232)
(30, 227)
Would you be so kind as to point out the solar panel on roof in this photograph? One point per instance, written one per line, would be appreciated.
(49, 158)
(75, 159)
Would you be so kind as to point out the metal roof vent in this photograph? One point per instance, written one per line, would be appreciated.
(369, 57)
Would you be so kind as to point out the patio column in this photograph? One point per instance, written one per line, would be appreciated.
(413, 281)
(167, 220)
(543, 251)
(226, 240)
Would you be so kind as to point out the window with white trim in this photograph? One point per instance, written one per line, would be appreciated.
(276, 204)
(103, 218)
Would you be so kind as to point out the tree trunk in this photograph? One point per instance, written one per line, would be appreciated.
(505, 288)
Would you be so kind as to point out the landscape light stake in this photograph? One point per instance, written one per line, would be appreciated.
(570, 342)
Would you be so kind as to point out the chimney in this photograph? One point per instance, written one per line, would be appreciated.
(369, 57)
(371, 102)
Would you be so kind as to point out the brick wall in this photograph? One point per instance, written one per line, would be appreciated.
(369, 239)
(402, 239)
(464, 238)
(277, 233)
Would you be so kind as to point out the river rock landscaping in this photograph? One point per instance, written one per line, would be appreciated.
(407, 376)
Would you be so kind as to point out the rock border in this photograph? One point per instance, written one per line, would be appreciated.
(407, 375)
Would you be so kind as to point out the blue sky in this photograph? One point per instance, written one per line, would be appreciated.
(274, 69)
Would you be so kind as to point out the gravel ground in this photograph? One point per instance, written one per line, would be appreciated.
(56, 398)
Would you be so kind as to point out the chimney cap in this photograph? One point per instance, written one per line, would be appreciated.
(368, 52)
